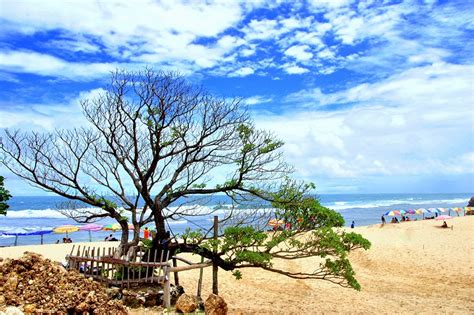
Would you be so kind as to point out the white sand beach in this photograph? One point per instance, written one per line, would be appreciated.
(412, 267)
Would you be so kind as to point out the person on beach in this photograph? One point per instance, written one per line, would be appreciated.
(146, 233)
(383, 220)
(107, 237)
(445, 225)
(352, 224)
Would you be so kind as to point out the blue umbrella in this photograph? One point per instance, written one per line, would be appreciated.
(23, 232)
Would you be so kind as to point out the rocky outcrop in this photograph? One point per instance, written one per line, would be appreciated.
(215, 305)
(186, 303)
(471, 202)
(38, 285)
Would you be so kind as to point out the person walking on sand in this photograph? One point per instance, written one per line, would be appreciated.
(146, 233)
(383, 220)
(352, 224)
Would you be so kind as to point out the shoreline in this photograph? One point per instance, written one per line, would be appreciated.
(346, 227)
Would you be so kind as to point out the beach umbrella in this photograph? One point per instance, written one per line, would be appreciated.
(41, 233)
(442, 209)
(16, 232)
(275, 223)
(91, 227)
(66, 229)
(433, 210)
(457, 209)
(392, 213)
(443, 217)
(112, 227)
(411, 211)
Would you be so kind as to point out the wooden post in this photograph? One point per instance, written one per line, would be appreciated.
(167, 289)
(215, 287)
(176, 277)
(200, 279)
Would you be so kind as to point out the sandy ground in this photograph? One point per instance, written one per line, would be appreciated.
(412, 267)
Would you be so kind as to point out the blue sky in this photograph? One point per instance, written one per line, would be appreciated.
(373, 96)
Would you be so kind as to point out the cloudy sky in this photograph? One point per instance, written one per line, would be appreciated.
(372, 96)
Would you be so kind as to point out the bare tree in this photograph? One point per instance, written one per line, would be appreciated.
(154, 140)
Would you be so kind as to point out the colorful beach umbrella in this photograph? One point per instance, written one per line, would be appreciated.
(422, 211)
(275, 223)
(443, 217)
(392, 213)
(411, 211)
(66, 229)
(433, 210)
(442, 209)
(112, 227)
(91, 227)
(457, 209)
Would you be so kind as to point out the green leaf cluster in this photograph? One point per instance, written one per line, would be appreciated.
(4, 197)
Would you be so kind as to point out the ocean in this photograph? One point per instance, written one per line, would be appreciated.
(41, 213)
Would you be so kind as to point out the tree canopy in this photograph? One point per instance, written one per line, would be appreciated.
(4, 197)
(154, 140)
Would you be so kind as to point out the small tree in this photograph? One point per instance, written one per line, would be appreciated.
(4, 197)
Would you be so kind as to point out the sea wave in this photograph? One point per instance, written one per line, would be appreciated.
(395, 202)
(45, 213)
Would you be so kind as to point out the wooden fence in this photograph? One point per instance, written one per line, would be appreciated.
(137, 267)
(107, 266)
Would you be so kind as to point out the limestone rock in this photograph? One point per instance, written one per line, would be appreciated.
(38, 285)
(186, 303)
(12, 310)
(215, 305)
(29, 308)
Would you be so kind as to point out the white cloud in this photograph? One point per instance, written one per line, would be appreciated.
(46, 117)
(257, 99)
(418, 122)
(143, 31)
(242, 72)
(300, 53)
(294, 69)
(42, 64)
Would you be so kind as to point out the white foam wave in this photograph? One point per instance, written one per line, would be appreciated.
(177, 222)
(46, 213)
(394, 203)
